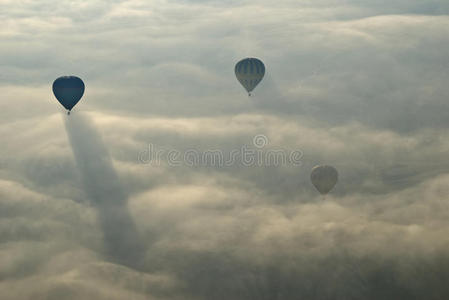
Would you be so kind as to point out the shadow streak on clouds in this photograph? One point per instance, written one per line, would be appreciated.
(104, 191)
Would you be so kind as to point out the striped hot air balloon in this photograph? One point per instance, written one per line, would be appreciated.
(249, 72)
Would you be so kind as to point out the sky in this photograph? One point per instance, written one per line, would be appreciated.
(88, 211)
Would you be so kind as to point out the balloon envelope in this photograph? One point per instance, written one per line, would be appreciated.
(324, 178)
(68, 90)
(249, 72)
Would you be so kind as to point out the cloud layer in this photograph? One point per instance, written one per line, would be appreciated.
(360, 85)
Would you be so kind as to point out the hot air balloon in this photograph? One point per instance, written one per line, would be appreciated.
(68, 90)
(249, 72)
(324, 178)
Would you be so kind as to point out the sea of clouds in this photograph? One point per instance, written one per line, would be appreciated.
(360, 85)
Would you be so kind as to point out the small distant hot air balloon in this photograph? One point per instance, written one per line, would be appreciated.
(249, 72)
(324, 178)
(68, 90)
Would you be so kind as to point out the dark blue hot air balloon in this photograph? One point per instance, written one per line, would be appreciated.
(68, 90)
